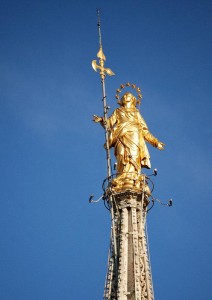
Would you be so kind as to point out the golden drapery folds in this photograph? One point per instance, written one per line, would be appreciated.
(128, 133)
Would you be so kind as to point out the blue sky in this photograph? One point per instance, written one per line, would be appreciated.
(53, 242)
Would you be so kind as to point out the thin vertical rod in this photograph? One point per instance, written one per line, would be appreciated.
(99, 28)
(105, 107)
(109, 172)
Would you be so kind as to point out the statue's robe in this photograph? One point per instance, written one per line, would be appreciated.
(128, 133)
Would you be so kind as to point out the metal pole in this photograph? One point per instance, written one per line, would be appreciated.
(105, 107)
(109, 173)
(103, 72)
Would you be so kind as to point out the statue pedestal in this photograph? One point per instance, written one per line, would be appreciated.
(130, 278)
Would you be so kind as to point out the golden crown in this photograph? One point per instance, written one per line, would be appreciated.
(122, 86)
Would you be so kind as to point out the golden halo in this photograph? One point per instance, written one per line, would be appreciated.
(122, 86)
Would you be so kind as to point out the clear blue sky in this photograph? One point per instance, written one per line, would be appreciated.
(53, 242)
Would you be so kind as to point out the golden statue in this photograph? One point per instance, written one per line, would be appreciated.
(127, 134)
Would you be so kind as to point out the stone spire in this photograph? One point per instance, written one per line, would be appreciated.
(127, 193)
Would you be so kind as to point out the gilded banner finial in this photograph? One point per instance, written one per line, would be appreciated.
(100, 55)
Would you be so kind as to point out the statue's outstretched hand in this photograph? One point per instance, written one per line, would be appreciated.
(161, 146)
(97, 119)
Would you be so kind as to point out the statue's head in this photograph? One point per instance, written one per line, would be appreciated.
(128, 98)
(128, 95)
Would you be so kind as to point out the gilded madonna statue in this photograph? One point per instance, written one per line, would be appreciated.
(128, 134)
